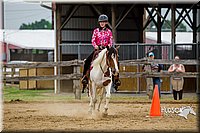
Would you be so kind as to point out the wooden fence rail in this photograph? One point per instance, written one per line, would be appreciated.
(80, 62)
(76, 75)
(158, 61)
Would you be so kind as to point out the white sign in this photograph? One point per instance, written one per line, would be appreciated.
(183, 111)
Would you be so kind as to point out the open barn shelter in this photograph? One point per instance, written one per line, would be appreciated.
(74, 22)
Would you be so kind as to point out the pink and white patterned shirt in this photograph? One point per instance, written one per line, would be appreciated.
(102, 37)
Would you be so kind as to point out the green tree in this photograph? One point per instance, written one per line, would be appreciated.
(167, 27)
(181, 28)
(42, 24)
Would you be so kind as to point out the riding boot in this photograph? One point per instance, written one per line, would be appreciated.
(83, 89)
(84, 81)
(86, 68)
(117, 82)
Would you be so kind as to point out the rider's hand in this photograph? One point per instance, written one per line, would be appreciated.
(96, 48)
(108, 47)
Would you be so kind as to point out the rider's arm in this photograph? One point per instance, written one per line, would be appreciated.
(94, 40)
(110, 43)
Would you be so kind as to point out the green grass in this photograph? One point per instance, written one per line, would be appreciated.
(13, 93)
(165, 98)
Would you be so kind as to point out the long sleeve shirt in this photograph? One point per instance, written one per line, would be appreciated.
(102, 37)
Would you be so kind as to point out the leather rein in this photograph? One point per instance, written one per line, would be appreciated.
(107, 63)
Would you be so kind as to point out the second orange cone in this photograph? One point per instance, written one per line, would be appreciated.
(155, 105)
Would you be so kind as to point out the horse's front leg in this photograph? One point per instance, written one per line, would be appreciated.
(101, 98)
(108, 87)
(92, 97)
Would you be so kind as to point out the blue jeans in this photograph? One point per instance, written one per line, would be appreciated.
(156, 81)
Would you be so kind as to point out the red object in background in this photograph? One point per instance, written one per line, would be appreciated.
(4, 51)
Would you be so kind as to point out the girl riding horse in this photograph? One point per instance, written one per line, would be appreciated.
(101, 38)
(102, 69)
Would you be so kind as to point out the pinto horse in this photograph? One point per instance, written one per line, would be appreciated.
(101, 72)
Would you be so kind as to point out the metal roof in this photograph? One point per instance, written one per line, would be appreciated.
(115, 1)
(30, 39)
(181, 37)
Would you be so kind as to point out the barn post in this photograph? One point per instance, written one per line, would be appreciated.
(113, 10)
(159, 25)
(198, 25)
(55, 47)
(173, 29)
(57, 41)
(138, 70)
(76, 83)
(1, 27)
(194, 25)
(12, 75)
(194, 29)
(197, 44)
(1, 15)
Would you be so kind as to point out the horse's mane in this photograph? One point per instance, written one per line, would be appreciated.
(99, 58)
(112, 50)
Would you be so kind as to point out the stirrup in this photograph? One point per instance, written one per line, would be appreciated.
(84, 81)
(118, 83)
(84, 87)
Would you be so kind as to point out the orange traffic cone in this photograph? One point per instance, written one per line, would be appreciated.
(155, 106)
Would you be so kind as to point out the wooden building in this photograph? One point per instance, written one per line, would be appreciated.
(27, 45)
(74, 22)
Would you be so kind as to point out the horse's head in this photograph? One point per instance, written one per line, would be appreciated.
(191, 110)
(112, 59)
(184, 111)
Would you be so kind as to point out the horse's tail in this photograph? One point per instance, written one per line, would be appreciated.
(99, 58)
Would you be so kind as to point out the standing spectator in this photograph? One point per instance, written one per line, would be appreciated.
(156, 68)
(177, 82)
(149, 81)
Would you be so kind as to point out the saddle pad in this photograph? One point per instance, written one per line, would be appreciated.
(91, 68)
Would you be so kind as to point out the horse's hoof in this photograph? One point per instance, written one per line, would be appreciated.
(105, 83)
(105, 114)
(89, 112)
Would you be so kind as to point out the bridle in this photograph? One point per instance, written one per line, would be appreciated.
(107, 61)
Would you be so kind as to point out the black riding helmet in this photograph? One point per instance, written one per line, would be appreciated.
(103, 18)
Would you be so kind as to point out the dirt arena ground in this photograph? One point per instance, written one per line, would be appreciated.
(73, 116)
